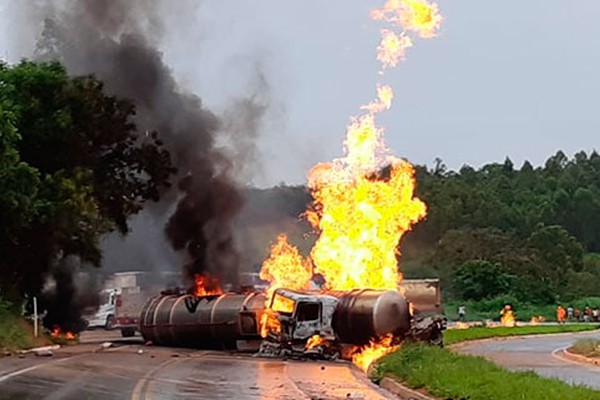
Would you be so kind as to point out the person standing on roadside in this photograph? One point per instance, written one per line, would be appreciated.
(462, 313)
(587, 314)
(570, 313)
(561, 315)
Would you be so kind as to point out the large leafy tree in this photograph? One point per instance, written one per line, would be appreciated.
(478, 280)
(72, 167)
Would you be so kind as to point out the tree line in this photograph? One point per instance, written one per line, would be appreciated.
(528, 234)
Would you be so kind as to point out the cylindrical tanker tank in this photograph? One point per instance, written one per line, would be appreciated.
(202, 322)
(364, 314)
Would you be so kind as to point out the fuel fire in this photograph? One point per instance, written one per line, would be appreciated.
(507, 317)
(373, 352)
(364, 202)
(206, 285)
(58, 333)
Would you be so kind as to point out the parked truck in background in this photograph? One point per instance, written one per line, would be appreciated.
(123, 297)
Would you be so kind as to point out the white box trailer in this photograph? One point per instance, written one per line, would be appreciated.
(124, 296)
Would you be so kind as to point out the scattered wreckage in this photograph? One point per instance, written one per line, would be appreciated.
(313, 324)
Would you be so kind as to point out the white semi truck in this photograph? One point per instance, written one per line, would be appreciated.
(123, 297)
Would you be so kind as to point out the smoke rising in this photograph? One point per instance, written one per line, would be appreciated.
(116, 40)
(67, 297)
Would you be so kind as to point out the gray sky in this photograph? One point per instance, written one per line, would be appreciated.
(516, 78)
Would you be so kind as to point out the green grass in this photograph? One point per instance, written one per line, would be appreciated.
(452, 336)
(451, 376)
(587, 347)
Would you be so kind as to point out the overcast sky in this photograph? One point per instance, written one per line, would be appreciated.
(517, 78)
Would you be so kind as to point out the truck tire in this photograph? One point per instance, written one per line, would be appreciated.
(436, 338)
(127, 332)
(110, 322)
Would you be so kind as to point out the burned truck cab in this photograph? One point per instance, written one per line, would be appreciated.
(294, 317)
(324, 324)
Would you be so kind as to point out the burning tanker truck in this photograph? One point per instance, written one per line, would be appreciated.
(315, 324)
(363, 203)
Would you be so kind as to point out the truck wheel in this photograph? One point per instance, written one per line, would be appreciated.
(127, 332)
(110, 322)
(436, 338)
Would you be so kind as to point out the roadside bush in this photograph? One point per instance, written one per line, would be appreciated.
(592, 302)
(12, 334)
(478, 280)
(16, 333)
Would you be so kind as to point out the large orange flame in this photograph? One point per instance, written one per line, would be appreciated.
(285, 267)
(363, 202)
(372, 352)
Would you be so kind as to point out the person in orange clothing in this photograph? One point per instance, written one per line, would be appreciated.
(561, 315)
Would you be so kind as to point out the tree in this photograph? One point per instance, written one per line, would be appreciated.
(72, 167)
(556, 254)
(478, 280)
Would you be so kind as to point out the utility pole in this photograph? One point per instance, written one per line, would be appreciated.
(35, 317)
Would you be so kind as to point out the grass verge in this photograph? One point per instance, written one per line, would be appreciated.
(452, 336)
(447, 375)
(15, 332)
(586, 347)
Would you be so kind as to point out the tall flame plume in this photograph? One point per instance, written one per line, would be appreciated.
(363, 202)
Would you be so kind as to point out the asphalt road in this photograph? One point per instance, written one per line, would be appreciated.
(541, 354)
(133, 371)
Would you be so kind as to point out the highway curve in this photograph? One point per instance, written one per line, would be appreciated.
(134, 371)
(541, 354)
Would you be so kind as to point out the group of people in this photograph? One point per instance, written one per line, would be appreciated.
(570, 314)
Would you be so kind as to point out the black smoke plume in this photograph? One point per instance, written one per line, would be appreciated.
(114, 40)
(68, 297)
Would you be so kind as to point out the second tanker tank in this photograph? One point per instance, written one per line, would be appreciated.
(202, 322)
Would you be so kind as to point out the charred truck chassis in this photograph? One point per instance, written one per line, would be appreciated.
(340, 320)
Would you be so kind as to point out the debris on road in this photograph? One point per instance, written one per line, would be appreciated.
(44, 353)
(43, 349)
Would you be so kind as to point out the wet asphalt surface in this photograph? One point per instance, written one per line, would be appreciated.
(131, 370)
(541, 354)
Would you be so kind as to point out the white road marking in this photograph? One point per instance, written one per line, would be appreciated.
(37, 366)
(18, 372)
